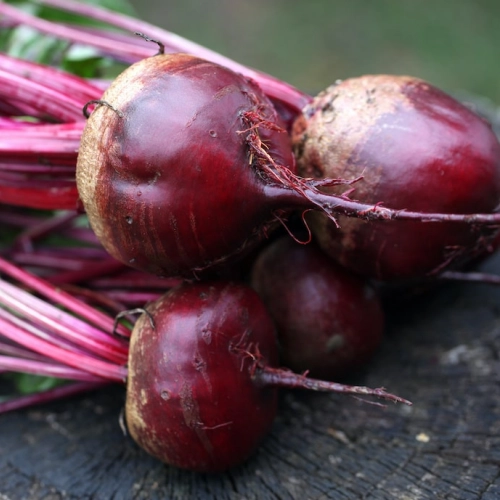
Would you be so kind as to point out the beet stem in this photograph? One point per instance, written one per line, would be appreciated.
(46, 369)
(62, 324)
(51, 77)
(76, 360)
(26, 238)
(60, 106)
(273, 87)
(297, 193)
(107, 45)
(277, 377)
(50, 291)
(90, 270)
(64, 391)
(13, 350)
(96, 298)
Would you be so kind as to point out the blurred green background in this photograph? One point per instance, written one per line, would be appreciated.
(454, 44)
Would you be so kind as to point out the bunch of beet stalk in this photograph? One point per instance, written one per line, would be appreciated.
(60, 291)
(59, 295)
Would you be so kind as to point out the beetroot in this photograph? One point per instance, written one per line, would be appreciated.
(161, 178)
(416, 149)
(201, 376)
(329, 321)
(189, 391)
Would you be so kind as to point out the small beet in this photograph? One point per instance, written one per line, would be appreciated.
(202, 376)
(329, 321)
(417, 149)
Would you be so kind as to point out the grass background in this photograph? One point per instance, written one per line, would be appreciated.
(454, 44)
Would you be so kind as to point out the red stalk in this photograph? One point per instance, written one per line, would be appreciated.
(46, 195)
(91, 270)
(61, 261)
(44, 340)
(50, 77)
(135, 280)
(48, 102)
(98, 299)
(97, 367)
(8, 348)
(36, 226)
(51, 292)
(42, 228)
(34, 170)
(273, 87)
(42, 368)
(133, 299)
(115, 47)
(121, 287)
(34, 159)
(39, 331)
(49, 395)
(84, 235)
(18, 217)
(62, 324)
(15, 123)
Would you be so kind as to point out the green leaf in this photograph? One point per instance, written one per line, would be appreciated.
(26, 383)
(27, 43)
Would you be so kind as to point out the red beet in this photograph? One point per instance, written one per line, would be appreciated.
(201, 389)
(189, 390)
(417, 149)
(162, 178)
(329, 321)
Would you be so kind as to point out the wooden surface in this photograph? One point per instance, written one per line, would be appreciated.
(441, 351)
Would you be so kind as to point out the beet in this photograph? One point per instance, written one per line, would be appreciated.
(202, 376)
(189, 393)
(329, 321)
(161, 178)
(416, 149)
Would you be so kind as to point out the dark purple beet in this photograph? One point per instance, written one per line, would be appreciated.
(172, 180)
(201, 389)
(416, 149)
(329, 321)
